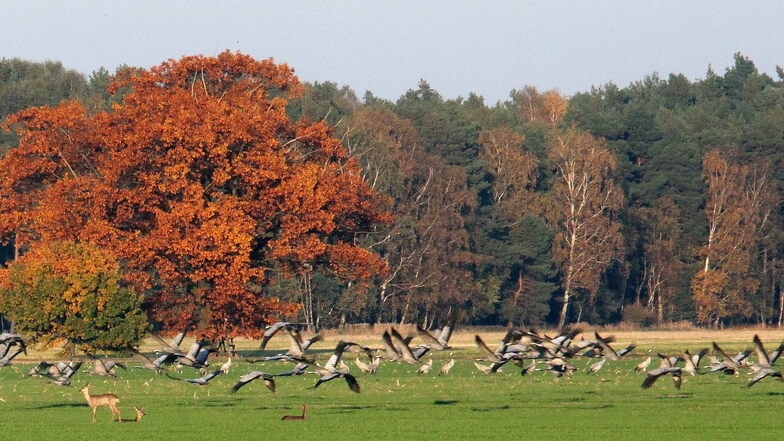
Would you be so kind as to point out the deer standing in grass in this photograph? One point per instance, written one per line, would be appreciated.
(96, 401)
(139, 414)
(297, 417)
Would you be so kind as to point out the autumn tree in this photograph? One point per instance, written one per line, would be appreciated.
(513, 170)
(583, 207)
(738, 205)
(72, 292)
(25, 83)
(200, 182)
(548, 107)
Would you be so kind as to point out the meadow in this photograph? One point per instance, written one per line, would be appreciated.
(398, 403)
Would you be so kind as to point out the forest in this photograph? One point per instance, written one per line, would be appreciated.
(652, 203)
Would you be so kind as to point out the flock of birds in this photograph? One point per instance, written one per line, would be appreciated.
(396, 348)
(556, 352)
(527, 349)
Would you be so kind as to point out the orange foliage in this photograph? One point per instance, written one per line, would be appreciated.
(548, 107)
(739, 200)
(200, 183)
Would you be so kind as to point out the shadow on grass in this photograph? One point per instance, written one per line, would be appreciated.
(671, 396)
(344, 409)
(591, 407)
(445, 402)
(490, 409)
(219, 404)
(60, 406)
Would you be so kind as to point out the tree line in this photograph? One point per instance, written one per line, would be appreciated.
(655, 202)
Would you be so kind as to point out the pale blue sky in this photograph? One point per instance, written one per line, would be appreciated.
(458, 46)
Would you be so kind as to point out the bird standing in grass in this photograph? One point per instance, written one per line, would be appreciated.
(425, 367)
(643, 365)
(594, 367)
(447, 367)
(364, 367)
(226, 366)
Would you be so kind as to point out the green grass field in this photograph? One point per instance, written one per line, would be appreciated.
(397, 403)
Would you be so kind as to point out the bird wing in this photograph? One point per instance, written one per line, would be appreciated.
(419, 351)
(626, 350)
(762, 355)
(405, 350)
(295, 340)
(327, 377)
(424, 333)
(607, 351)
(654, 375)
(144, 359)
(762, 373)
(100, 367)
(352, 383)
(392, 352)
(209, 376)
(446, 332)
(250, 376)
(111, 363)
(697, 358)
(741, 356)
(193, 350)
(313, 339)
(71, 369)
(677, 379)
(774, 356)
(720, 352)
(176, 341)
(269, 382)
(165, 346)
(190, 380)
(491, 356)
(298, 369)
(272, 330)
(337, 354)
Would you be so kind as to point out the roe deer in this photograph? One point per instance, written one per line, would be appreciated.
(297, 417)
(139, 414)
(96, 401)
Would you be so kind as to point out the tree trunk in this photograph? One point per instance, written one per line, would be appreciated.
(781, 307)
(564, 310)
(307, 304)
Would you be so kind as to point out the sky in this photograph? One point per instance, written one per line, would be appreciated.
(386, 47)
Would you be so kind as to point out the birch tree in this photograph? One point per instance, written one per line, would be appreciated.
(584, 202)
